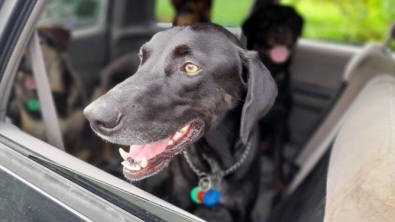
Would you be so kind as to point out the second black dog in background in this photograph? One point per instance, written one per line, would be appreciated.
(273, 30)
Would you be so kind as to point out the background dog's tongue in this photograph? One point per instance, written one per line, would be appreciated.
(279, 54)
(30, 83)
(149, 151)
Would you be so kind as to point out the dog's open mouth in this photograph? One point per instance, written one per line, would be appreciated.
(279, 54)
(29, 81)
(145, 160)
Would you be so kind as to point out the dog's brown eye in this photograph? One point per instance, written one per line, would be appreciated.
(191, 68)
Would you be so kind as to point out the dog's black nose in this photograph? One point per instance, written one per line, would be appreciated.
(103, 116)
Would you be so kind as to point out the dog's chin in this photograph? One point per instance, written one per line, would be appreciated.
(145, 160)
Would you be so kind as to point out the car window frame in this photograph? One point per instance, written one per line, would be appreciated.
(14, 43)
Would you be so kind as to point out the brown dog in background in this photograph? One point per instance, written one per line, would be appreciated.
(190, 11)
(66, 87)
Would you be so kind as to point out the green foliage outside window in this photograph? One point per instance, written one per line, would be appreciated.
(344, 21)
(224, 12)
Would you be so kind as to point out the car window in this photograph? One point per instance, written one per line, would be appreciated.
(74, 14)
(351, 22)
(229, 13)
(8, 6)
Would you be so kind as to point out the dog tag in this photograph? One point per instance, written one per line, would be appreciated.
(200, 195)
(204, 193)
(211, 197)
(194, 195)
(33, 105)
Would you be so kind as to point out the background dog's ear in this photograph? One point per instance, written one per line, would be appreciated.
(299, 24)
(59, 35)
(295, 20)
(177, 4)
(249, 31)
(261, 92)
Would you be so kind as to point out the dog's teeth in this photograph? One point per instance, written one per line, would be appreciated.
(133, 167)
(184, 130)
(170, 142)
(144, 163)
(123, 153)
(177, 136)
(137, 167)
(125, 163)
(129, 167)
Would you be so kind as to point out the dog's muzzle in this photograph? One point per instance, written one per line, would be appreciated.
(104, 117)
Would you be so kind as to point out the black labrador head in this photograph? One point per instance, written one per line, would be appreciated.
(189, 78)
(272, 30)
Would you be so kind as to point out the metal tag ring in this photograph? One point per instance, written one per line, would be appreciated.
(205, 183)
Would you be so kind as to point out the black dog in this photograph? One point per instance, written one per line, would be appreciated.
(273, 31)
(197, 85)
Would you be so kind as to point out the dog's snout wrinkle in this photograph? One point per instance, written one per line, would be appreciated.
(104, 116)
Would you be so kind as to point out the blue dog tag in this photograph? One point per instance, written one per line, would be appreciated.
(211, 197)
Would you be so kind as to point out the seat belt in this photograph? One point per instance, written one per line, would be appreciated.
(47, 107)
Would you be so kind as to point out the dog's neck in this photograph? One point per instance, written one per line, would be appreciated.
(219, 143)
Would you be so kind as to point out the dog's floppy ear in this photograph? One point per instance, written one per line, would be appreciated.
(261, 92)
(59, 35)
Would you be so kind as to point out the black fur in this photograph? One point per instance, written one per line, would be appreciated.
(270, 26)
(232, 90)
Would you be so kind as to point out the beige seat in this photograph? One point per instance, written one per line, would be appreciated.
(372, 61)
(361, 175)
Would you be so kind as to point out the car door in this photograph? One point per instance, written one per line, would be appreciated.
(43, 183)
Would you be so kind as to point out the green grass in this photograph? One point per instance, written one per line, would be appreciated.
(345, 21)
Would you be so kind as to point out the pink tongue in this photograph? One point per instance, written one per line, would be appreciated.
(30, 83)
(279, 54)
(149, 151)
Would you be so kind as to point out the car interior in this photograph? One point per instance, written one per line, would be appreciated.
(335, 87)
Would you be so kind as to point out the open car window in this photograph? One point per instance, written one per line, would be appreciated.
(345, 22)
(221, 11)
(90, 170)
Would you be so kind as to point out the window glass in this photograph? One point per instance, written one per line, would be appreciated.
(224, 12)
(353, 22)
(74, 14)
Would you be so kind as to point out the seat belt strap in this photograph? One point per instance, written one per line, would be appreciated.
(52, 129)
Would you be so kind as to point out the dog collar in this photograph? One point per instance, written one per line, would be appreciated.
(208, 190)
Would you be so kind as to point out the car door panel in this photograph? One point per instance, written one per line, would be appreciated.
(317, 77)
